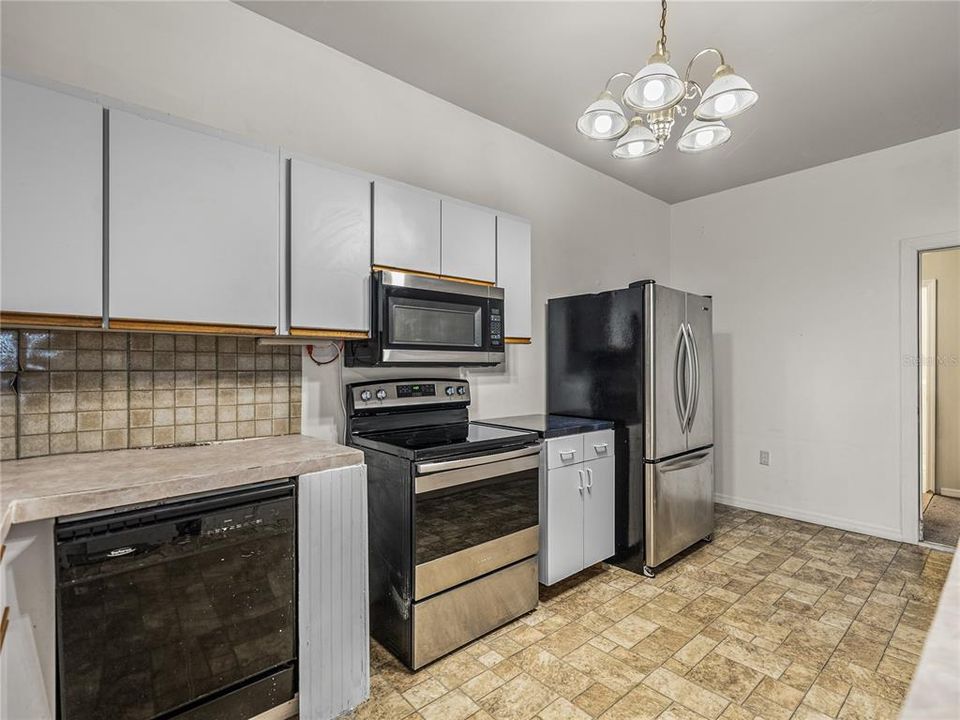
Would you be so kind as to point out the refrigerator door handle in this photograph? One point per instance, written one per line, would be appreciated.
(689, 374)
(695, 395)
(679, 369)
(682, 463)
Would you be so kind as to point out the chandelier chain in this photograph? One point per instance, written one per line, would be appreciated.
(663, 22)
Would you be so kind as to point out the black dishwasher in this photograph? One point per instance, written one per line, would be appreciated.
(183, 610)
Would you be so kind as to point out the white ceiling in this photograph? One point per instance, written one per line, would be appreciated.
(835, 79)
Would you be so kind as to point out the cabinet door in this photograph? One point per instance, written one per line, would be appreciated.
(514, 276)
(406, 228)
(468, 242)
(564, 550)
(52, 214)
(194, 226)
(329, 249)
(598, 514)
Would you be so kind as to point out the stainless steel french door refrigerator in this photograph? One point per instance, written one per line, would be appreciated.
(643, 357)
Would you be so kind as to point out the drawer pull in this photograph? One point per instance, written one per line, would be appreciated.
(601, 448)
(567, 454)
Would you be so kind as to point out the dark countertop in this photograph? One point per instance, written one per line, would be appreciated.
(550, 426)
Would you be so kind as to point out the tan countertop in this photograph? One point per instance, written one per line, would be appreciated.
(935, 690)
(48, 487)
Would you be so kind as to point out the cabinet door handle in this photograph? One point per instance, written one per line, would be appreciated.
(600, 449)
(567, 454)
(580, 486)
(589, 478)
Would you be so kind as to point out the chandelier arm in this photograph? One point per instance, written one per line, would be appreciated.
(615, 77)
(686, 75)
(693, 89)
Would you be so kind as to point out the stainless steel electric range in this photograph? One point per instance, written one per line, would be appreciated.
(453, 516)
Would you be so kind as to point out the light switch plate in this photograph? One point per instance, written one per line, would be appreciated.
(764, 457)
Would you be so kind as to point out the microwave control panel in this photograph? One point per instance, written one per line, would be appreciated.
(496, 324)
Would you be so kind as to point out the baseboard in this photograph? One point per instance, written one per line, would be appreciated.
(949, 492)
(817, 518)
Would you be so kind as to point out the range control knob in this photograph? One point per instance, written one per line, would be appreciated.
(461, 390)
(381, 394)
(365, 395)
(449, 391)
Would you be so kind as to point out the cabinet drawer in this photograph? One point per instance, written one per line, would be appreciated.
(563, 451)
(598, 444)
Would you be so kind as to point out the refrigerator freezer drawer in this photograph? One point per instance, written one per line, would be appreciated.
(678, 497)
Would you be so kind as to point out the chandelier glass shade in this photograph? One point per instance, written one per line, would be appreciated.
(636, 142)
(657, 96)
(603, 119)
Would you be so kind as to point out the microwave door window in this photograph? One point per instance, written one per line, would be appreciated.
(434, 323)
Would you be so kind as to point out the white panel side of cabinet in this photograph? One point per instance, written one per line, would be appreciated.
(194, 225)
(333, 586)
(468, 242)
(52, 208)
(329, 248)
(514, 276)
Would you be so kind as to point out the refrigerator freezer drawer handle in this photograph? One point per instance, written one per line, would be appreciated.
(678, 385)
(684, 462)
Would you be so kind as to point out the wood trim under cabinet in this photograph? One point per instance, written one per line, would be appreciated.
(517, 341)
(433, 276)
(26, 319)
(330, 334)
(3, 625)
(165, 326)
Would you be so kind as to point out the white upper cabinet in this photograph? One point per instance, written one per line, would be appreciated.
(469, 242)
(514, 276)
(329, 249)
(194, 226)
(406, 228)
(52, 214)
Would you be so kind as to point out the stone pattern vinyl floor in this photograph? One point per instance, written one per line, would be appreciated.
(775, 619)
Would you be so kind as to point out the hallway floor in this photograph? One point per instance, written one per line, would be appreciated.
(775, 619)
(941, 520)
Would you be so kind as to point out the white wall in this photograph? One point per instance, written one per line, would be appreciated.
(805, 272)
(222, 65)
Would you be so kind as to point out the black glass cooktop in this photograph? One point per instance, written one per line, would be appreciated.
(444, 440)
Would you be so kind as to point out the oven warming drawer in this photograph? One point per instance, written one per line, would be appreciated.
(451, 570)
(445, 622)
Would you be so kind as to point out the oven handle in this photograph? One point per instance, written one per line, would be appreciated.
(431, 467)
(492, 466)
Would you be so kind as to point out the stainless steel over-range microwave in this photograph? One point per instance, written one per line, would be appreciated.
(429, 321)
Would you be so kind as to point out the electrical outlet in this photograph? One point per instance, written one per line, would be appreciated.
(764, 457)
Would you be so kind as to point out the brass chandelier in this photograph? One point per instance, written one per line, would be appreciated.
(656, 95)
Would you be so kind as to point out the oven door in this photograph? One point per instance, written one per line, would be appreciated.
(473, 516)
(427, 320)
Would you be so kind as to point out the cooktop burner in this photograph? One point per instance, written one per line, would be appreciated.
(420, 443)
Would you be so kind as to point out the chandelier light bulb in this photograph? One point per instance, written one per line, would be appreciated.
(653, 91)
(602, 123)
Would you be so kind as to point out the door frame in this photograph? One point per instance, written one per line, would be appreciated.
(910, 250)
(928, 352)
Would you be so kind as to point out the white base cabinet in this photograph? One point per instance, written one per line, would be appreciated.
(576, 504)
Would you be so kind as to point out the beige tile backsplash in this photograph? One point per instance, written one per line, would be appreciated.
(66, 391)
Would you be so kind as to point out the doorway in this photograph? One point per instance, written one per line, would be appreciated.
(939, 386)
